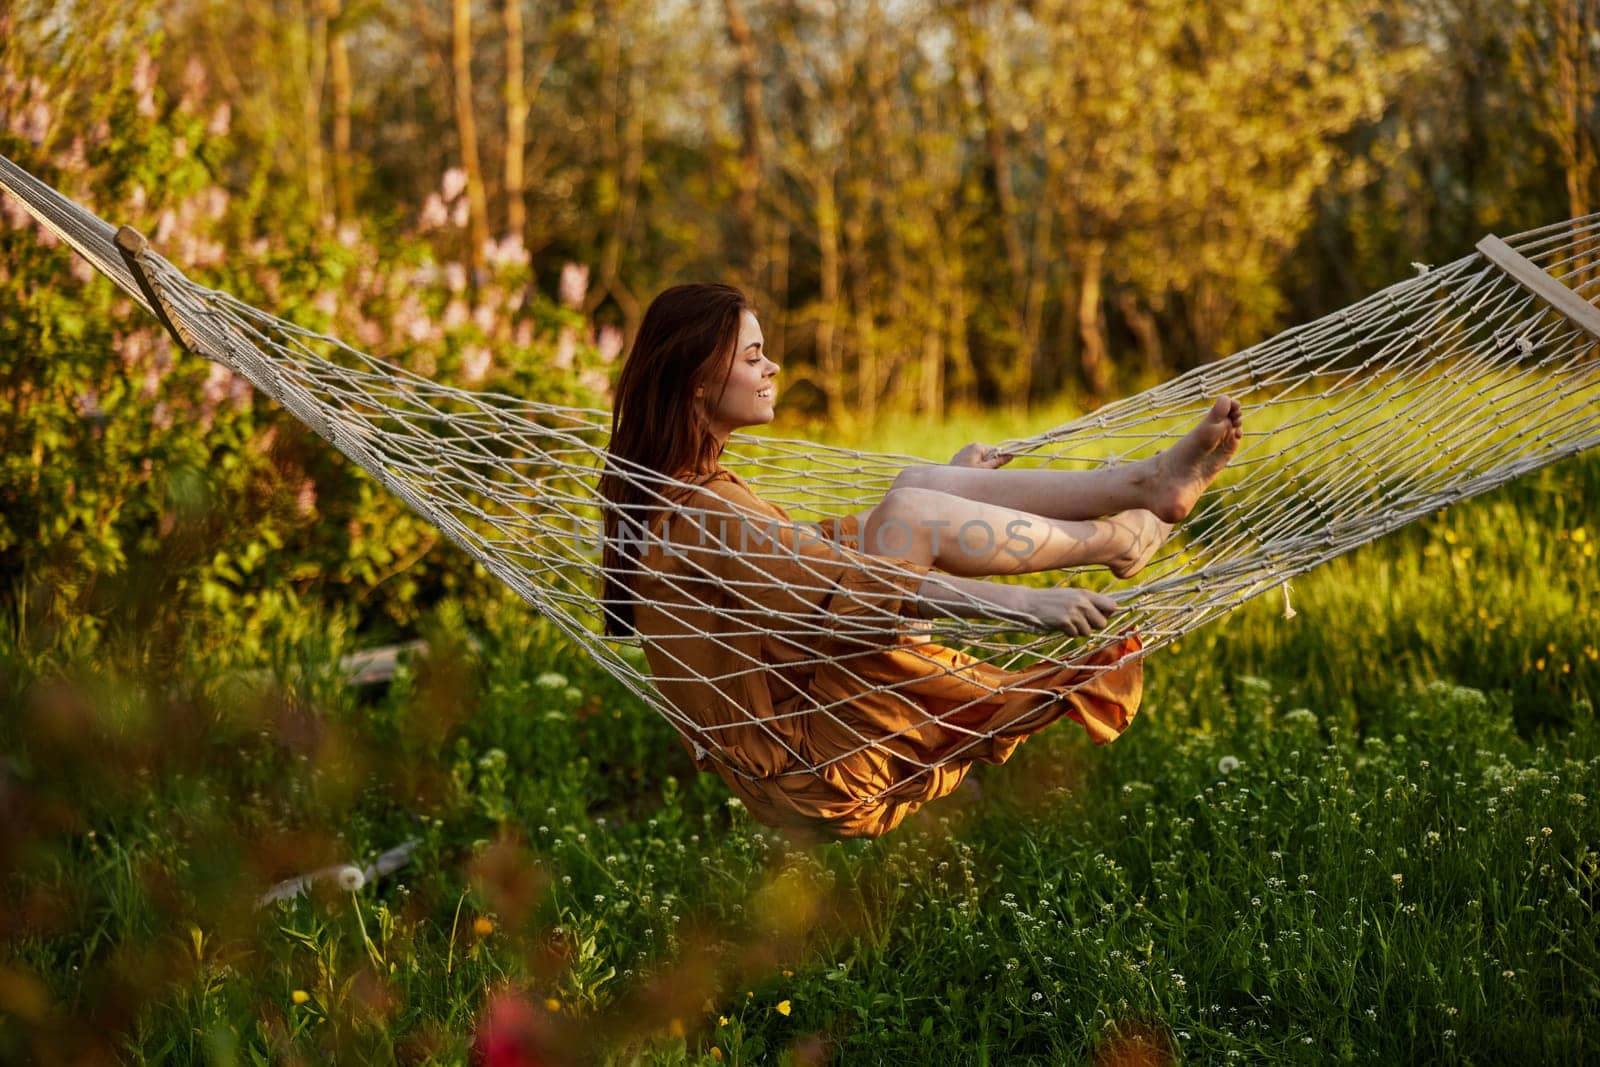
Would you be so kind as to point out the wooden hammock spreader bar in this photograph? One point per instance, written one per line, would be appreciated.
(132, 244)
(1542, 284)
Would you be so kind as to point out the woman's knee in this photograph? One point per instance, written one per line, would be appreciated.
(902, 523)
(921, 476)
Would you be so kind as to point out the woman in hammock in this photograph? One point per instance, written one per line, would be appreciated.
(790, 651)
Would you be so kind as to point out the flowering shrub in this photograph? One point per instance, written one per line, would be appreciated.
(137, 481)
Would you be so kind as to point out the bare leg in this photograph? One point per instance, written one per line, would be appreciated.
(1168, 484)
(971, 538)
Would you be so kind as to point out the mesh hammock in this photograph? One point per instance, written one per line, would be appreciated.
(1428, 392)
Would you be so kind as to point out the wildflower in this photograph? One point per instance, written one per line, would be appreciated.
(722, 1020)
(351, 879)
(1398, 879)
(1228, 764)
(552, 1005)
(1508, 973)
(783, 1007)
(483, 926)
(551, 680)
(300, 996)
(675, 1027)
(1546, 831)
(716, 1053)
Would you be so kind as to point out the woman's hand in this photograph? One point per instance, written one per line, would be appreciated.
(976, 455)
(1075, 611)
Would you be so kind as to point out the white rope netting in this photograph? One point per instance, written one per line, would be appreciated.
(1433, 390)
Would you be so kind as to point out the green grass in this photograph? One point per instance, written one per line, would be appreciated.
(1367, 834)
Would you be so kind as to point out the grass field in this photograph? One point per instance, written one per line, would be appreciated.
(1365, 834)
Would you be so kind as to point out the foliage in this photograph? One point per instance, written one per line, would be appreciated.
(1364, 835)
(139, 483)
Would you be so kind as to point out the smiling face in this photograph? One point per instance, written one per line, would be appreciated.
(745, 396)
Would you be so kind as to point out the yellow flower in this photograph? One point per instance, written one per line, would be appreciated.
(675, 1028)
(716, 1053)
(483, 926)
(783, 1007)
(551, 1004)
(1538, 664)
(1580, 535)
(300, 996)
(788, 973)
(722, 1020)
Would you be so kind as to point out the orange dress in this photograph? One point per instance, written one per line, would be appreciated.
(780, 651)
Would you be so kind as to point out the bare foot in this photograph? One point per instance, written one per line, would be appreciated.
(1183, 471)
(1138, 533)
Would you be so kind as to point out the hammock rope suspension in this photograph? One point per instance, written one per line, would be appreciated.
(1433, 390)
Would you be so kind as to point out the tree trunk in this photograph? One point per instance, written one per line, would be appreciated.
(313, 56)
(829, 269)
(516, 124)
(751, 159)
(467, 133)
(1145, 330)
(1092, 324)
(343, 92)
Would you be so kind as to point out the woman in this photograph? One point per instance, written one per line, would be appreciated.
(786, 651)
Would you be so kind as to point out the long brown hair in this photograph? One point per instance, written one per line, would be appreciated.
(658, 425)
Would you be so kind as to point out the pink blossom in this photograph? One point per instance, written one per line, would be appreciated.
(523, 335)
(239, 392)
(566, 348)
(165, 225)
(88, 403)
(132, 348)
(216, 386)
(16, 215)
(161, 417)
(221, 120)
(455, 315)
(574, 284)
(458, 217)
(434, 214)
(143, 82)
(507, 252)
(483, 318)
(609, 343)
(597, 382)
(35, 125)
(305, 500)
(454, 181)
(194, 80)
(80, 269)
(455, 277)
(475, 362)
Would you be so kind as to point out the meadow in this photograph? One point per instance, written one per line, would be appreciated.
(1366, 834)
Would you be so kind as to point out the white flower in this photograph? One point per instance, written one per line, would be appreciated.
(1228, 764)
(350, 878)
(551, 680)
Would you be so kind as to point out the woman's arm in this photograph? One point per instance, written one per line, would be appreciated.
(1075, 611)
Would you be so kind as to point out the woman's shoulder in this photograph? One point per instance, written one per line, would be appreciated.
(723, 485)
